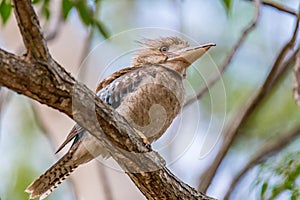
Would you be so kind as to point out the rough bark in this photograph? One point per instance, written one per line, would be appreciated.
(39, 77)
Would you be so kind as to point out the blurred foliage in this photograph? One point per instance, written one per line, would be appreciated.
(277, 113)
(268, 118)
(5, 10)
(85, 9)
(20, 143)
(227, 4)
(280, 175)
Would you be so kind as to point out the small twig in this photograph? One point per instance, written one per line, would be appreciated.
(279, 7)
(51, 35)
(87, 43)
(296, 88)
(264, 153)
(248, 108)
(229, 56)
(85, 51)
(273, 147)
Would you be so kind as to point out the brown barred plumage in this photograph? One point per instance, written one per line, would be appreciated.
(149, 95)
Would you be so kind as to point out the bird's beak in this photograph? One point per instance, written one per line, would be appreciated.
(190, 54)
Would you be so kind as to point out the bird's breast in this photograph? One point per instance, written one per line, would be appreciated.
(155, 99)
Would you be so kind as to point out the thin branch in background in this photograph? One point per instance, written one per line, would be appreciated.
(88, 41)
(296, 88)
(229, 56)
(52, 34)
(227, 60)
(263, 154)
(271, 148)
(232, 130)
(279, 7)
(86, 51)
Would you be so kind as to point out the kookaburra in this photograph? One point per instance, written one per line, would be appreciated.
(149, 95)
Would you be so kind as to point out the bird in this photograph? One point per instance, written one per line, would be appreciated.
(149, 94)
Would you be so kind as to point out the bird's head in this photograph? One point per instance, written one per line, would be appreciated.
(171, 52)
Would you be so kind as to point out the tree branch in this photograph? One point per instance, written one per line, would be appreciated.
(145, 167)
(54, 32)
(229, 56)
(30, 30)
(267, 151)
(279, 7)
(44, 80)
(249, 107)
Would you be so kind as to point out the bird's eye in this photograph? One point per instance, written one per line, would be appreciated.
(163, 49)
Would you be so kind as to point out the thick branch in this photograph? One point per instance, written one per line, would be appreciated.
(267, 151)
(249, 107)
(30, 30)
(59, 90)
(42, 79)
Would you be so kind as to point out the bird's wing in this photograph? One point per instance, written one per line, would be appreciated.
(113, 77)
(122, 86)
(106, 82)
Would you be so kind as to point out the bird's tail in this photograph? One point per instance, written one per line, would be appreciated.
(48, 181)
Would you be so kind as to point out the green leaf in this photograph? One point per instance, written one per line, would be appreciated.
(46, 12)
(84, 13)
(263, 190)
(280, 174)
(101, 28)
(67, 5)
(295, 194)
(45, 9)
(5, 11)
(35, 1)
(227, 4)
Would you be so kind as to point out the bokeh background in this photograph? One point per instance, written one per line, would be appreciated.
(30, 132)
